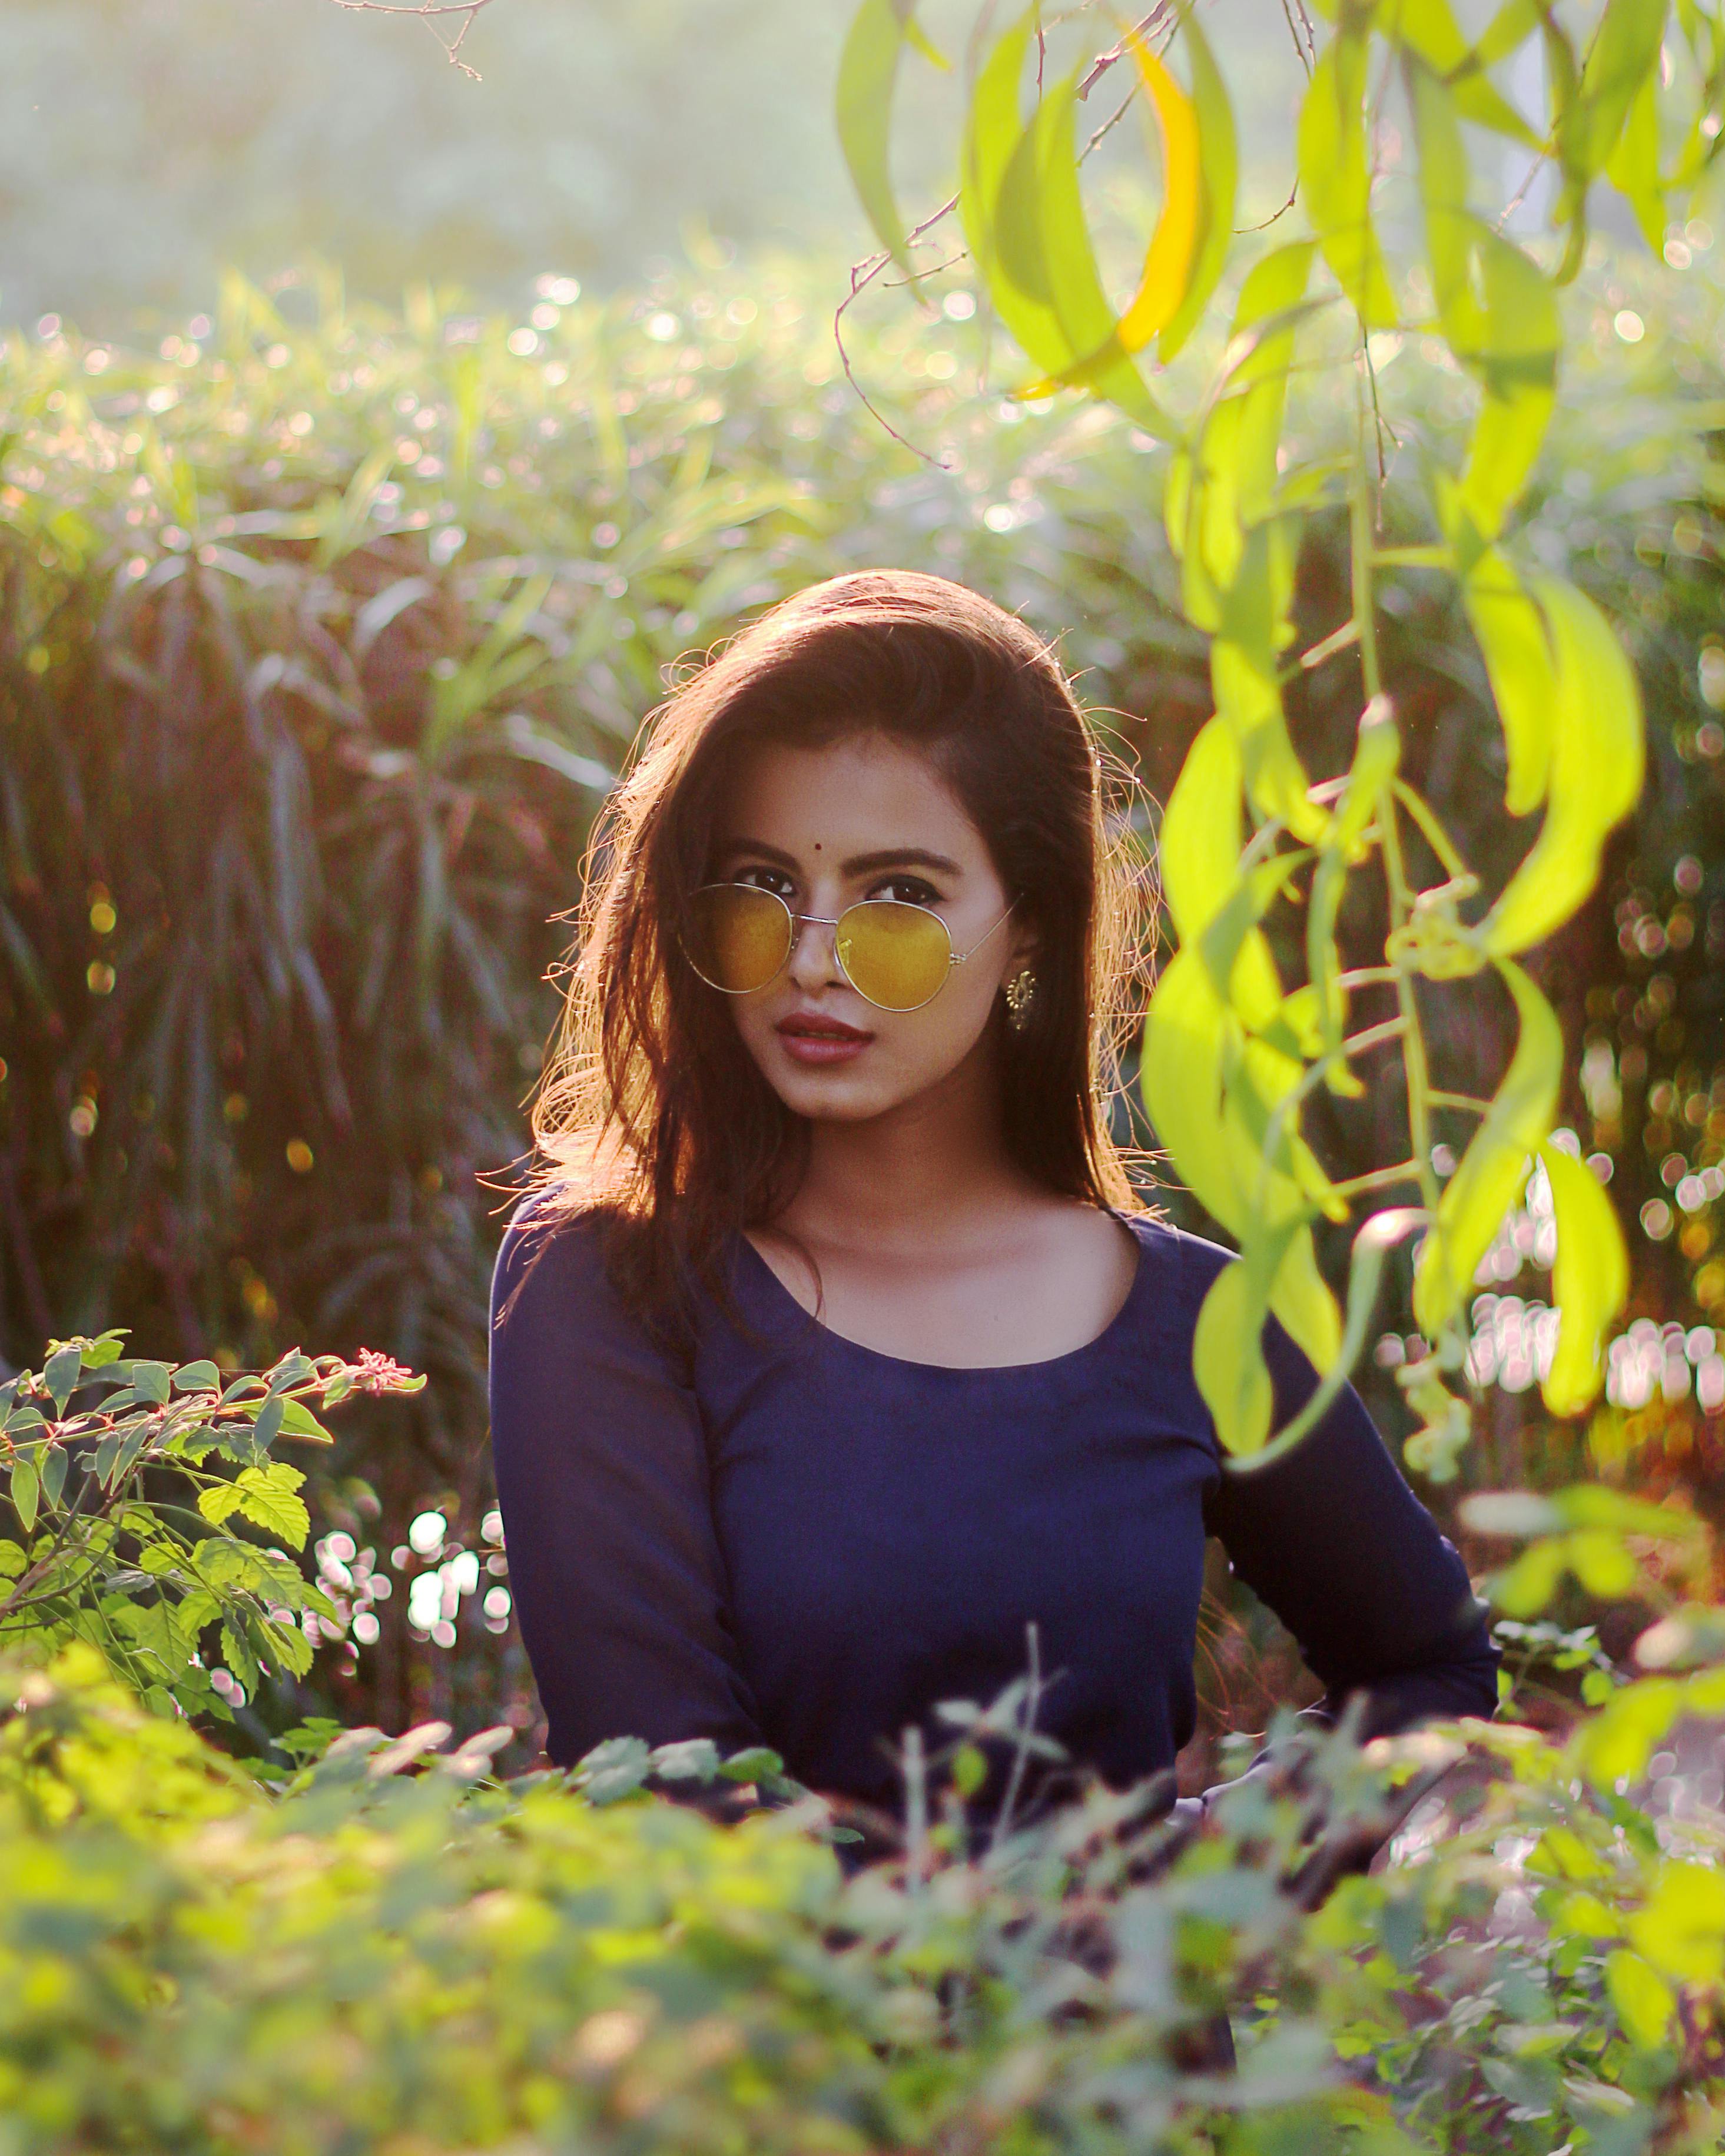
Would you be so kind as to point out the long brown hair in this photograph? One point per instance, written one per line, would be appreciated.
(651, 1107)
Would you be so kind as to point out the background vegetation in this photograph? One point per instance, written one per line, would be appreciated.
(324, 628)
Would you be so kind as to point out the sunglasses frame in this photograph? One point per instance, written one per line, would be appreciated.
(799, 921)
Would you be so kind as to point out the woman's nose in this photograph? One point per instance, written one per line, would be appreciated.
(814, 961)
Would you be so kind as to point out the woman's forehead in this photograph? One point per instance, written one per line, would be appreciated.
(860, 795)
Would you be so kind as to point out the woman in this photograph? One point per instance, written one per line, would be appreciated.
(834, 1351)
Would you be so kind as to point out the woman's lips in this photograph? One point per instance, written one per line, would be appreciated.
(811, 1039)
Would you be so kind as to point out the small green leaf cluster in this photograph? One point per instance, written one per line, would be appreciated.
(389, 1949)
(125, 1481)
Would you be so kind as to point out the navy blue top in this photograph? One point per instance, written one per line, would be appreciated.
(804, 1543)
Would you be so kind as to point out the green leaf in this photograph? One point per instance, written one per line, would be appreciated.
(60, 1373)
(1590, 1280)
(1429, 29)
(150, 1381)
(1200, 835)
(1596, 761)
(270, 1417)
(1645, 2003)
(1622, 57)
(218, 1501)
(1023, 219)
(1513, 643)
(26, 1485)
(13, 1560)
(297, 1420)
(1335, 179)
(1633, 167)
(265, 1496)
(868, 74)
(237, 1654)
(52, 1467)
(1227, 1359)
(197, 1377)
(1495, 1165)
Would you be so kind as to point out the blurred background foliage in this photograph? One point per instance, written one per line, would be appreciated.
(324, 625)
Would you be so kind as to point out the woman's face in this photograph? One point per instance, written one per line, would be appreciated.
(826, 828)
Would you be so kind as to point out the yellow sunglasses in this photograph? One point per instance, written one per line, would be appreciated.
(896, 955)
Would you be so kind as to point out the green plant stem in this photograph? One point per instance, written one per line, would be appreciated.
(1378, 1178)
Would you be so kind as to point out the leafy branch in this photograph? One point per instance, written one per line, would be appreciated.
(1233, 1052)
(109, 1551)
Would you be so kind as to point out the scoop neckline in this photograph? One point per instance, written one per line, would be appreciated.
(1070, 1355)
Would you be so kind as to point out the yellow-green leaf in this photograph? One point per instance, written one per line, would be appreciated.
(1495, 1166)
(1598, 756)
(1589, 1279)
(1513, 643)
(1645, 2003)
(868, 72)
(1023, 219)
(1227, 1359)
(1200, 836)
(1633, 167)
(1336, 179)
(1680, 1930)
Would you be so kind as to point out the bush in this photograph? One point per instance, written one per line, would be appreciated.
(389, 1951)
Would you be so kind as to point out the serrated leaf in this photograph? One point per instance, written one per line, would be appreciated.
(1590, 1280)
(1495, 1166)
(265, 1496)
(237, 1654)
(1598, 758)
(218, 1501)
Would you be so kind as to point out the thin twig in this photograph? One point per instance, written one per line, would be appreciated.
(1158, 15)
(1241, 230)
(1109, 125)
(863, 273)
(428, 12)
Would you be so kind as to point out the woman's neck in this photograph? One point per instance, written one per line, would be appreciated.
(934, 1171)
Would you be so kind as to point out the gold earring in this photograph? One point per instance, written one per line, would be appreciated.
(1020, 992)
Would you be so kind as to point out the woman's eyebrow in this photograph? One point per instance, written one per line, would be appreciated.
(901, 857)
(757, 850)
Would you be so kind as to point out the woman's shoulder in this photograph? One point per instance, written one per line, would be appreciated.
(553, 1260)
(1181, 1266)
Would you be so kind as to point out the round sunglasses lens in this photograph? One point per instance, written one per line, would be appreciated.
(895, 955)
(740, 937)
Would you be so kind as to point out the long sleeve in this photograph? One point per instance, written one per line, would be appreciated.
(603, 1479)
(1333, 1540)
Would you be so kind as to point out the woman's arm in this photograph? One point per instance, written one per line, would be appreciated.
(1338, 1546)
(602, 1476)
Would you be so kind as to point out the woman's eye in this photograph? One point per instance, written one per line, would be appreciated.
(907, 890)
(764, 879)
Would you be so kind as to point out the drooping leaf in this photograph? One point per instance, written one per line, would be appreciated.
(1429, 29)
(868, 72)
(1219, 153)
(25, 1485)
(1513, 643)
(1024, 217)
(1598, 756)
(1589, 1279)
(1494, 1167)
(1228, 1360)
(1633, 167)
(1336, 178)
